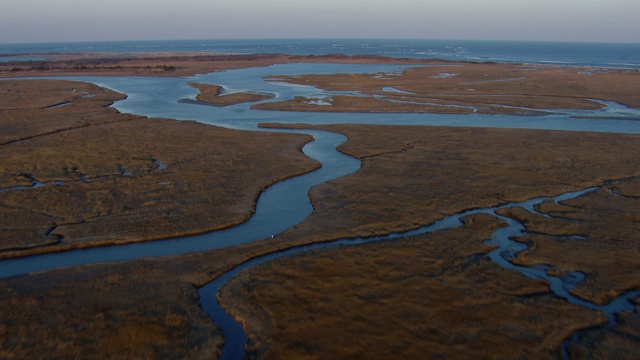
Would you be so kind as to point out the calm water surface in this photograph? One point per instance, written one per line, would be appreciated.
(158, 97)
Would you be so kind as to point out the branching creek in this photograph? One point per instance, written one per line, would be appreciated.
(286, 203)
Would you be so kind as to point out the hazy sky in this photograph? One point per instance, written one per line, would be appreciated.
(88, 20)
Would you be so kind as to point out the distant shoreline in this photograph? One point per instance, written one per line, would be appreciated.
(485, 87)
(174, 64)
(609, 55)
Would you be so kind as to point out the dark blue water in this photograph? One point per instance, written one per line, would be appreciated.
(618, 55)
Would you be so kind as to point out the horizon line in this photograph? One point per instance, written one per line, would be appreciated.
(314, 38)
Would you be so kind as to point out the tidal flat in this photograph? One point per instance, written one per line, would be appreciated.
(439, 293)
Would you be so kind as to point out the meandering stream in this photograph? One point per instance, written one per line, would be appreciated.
(286, 203)
(279, 208)
(506, 249)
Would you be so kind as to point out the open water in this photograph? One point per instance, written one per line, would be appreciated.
(618, 55)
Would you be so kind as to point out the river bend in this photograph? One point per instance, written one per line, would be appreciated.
(278, 208)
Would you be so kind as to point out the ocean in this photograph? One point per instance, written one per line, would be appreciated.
(611, 55)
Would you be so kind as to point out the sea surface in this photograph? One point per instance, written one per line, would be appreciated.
(614, 55)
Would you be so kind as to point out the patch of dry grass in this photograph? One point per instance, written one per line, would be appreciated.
(431, 296)
(468, 87)
(104, 182)
(415, 175)
(214, 95)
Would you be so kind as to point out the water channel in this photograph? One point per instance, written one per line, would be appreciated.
(286, 203)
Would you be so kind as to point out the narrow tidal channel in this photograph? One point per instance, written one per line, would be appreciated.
(280, 207)
(285, 204)
(506, 250)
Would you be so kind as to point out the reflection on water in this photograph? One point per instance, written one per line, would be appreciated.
(159, 97)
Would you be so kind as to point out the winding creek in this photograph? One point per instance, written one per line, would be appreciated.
(506, 249)
(286, 203)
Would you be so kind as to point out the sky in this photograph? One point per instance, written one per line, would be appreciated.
(24, 21)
